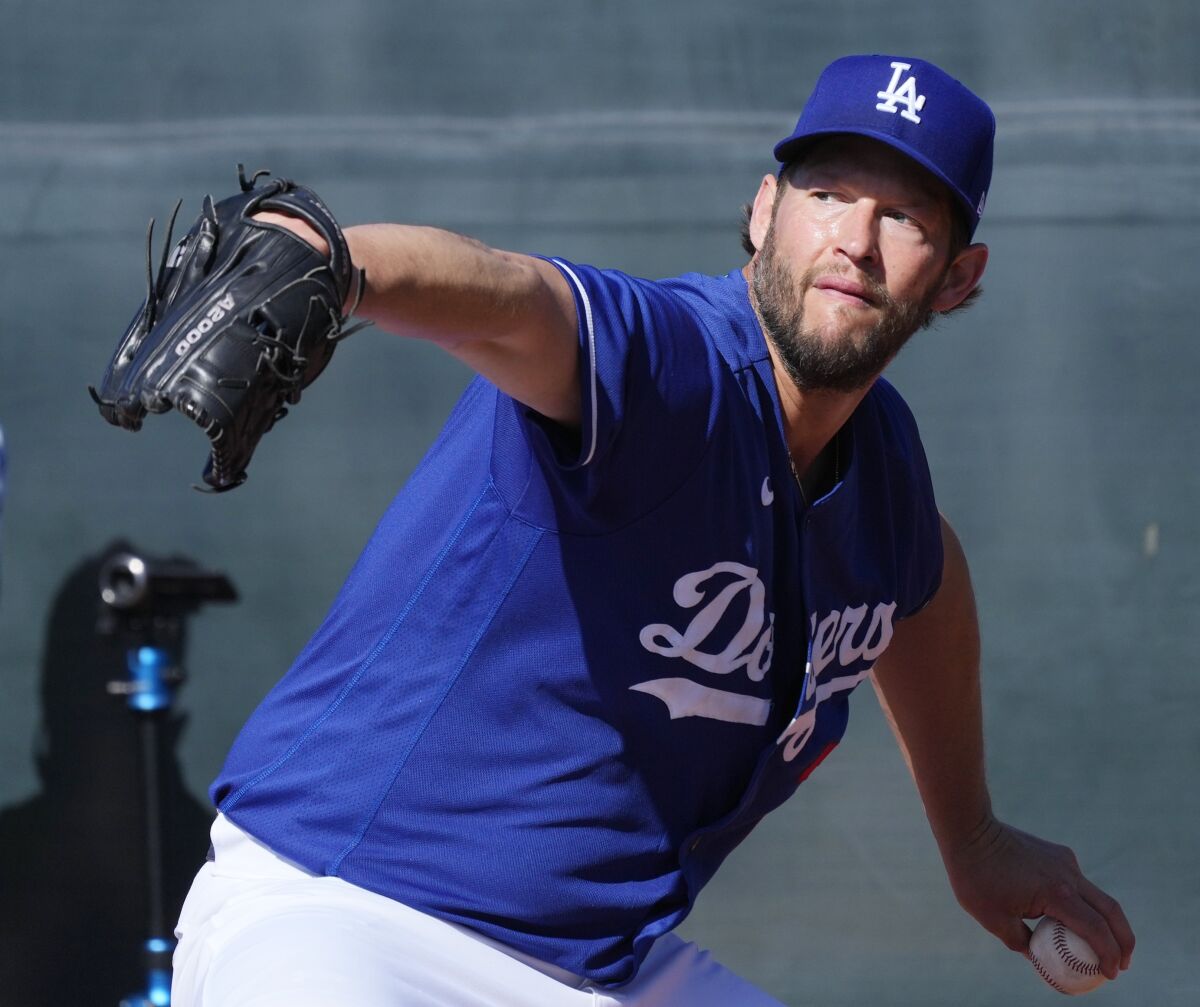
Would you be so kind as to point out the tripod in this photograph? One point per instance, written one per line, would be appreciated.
(145, 603)
(149, 691)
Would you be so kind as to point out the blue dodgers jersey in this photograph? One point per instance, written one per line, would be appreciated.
(570, 672)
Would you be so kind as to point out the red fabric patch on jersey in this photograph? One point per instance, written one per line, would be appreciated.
(808, 770)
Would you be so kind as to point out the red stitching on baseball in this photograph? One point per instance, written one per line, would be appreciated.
(1041, 970)
(1069, 958)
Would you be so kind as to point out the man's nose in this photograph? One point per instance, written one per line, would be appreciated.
(857, 234)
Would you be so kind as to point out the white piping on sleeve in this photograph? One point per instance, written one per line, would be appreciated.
(591, 339)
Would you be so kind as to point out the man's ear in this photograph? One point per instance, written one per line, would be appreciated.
(761, 212)
(961, 278)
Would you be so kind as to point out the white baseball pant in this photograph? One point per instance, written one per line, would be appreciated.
(259, 931)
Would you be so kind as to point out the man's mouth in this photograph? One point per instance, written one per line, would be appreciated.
(844, 289)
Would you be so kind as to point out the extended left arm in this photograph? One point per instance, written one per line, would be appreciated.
(928, 684)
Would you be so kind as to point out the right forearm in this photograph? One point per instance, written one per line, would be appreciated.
(431, 284)
(510, 317)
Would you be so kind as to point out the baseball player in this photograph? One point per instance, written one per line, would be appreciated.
(616, 615)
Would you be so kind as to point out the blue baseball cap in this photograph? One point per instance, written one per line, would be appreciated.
(913, 106)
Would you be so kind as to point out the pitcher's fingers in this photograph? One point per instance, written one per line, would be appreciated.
(1114, 915)
(1068, 905)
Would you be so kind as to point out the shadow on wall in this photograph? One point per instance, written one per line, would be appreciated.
(73, 888)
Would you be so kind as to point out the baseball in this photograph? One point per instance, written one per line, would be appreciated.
(1063, 958)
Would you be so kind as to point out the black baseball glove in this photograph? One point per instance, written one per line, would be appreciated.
(241, 317)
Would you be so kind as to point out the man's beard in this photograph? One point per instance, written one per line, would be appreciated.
(844, 364)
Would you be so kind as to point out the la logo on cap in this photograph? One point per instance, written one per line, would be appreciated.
(902, 94)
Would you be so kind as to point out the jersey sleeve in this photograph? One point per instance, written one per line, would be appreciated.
(649, 379)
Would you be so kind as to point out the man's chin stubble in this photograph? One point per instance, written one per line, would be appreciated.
(809, 360)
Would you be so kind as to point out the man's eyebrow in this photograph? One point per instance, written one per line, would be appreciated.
(925, 199)
(922, 193)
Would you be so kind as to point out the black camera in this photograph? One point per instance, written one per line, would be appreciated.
(146, 598)
(129, 582)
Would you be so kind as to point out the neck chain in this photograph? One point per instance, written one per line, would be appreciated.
(837, 468)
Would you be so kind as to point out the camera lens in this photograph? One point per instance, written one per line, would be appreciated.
(123, 581)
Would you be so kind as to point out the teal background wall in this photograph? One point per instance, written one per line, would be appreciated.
(1059, 413)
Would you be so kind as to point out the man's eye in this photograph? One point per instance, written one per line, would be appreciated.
(902, 218)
